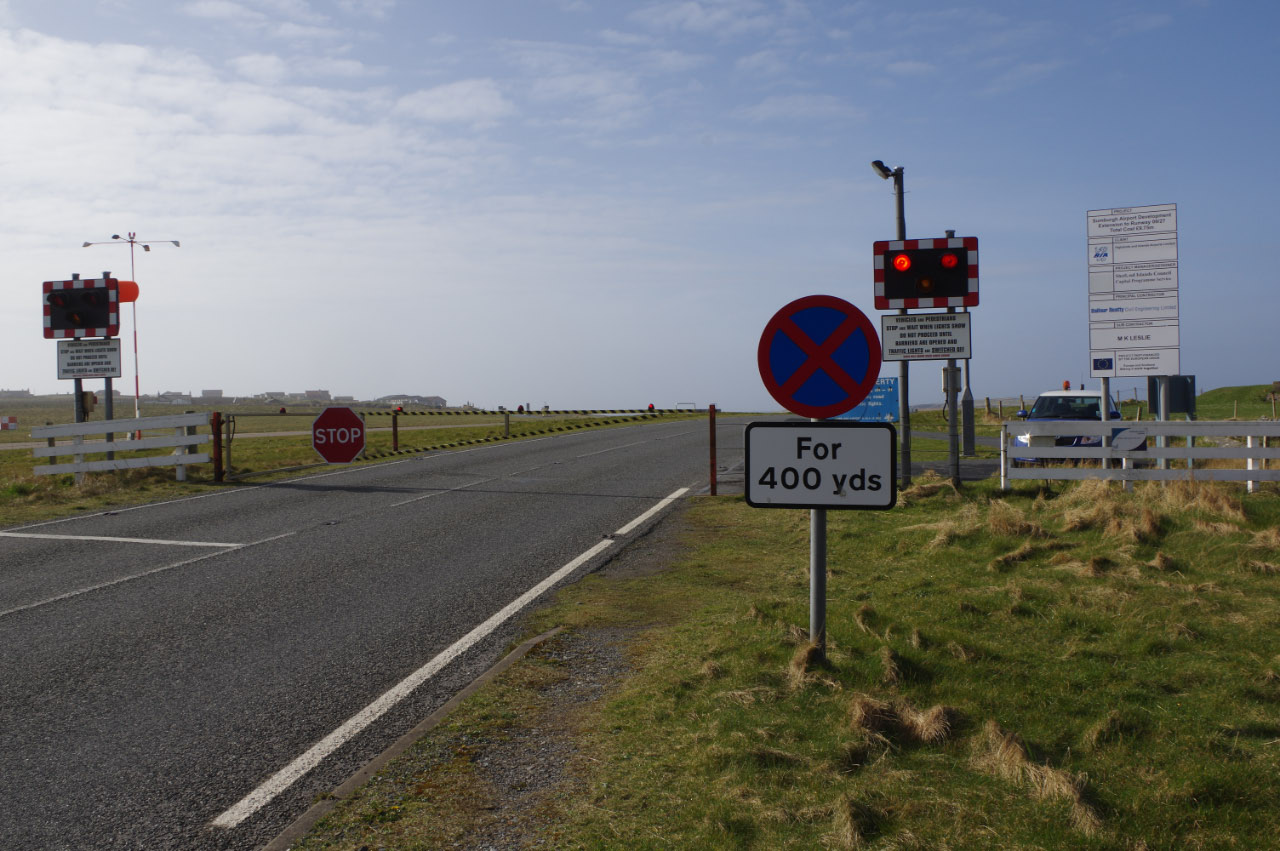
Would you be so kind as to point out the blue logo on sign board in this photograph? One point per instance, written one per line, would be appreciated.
(880, 406)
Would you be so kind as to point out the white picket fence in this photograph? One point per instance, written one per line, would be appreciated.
(182, 442)
(1124, 461)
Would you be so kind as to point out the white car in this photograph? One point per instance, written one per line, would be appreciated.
(1063, 405)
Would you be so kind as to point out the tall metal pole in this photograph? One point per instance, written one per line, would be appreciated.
(818, 577)
(133, 240)
(904, 370)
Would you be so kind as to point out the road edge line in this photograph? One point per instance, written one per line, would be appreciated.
(303, 823)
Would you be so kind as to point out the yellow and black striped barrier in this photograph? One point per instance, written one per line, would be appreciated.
(480, 413)
(631, 417)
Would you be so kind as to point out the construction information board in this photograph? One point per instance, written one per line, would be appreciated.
(925, 336)
(89, 358)
(824, 464)
(1133, 291)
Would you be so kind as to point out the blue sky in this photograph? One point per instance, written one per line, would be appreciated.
(580, 203)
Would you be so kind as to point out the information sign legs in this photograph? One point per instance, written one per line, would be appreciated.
(818, 578)
(953, 421)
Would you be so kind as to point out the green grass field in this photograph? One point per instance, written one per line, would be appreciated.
(1076, 668)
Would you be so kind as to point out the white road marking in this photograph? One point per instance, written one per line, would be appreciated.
(613, 449)
(358, 723)
(91, 588)
(630, 527)
(118, 540)
(442, 491)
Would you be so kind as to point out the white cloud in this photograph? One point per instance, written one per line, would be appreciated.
(672, 61)
(706, 17)
(766, 63)
(223, 10)
(801, 107)
(625, 39)
(466, 102)
(1141, 22)
(376, 9)
(1020, 75)
(910, 68)
(261, 67)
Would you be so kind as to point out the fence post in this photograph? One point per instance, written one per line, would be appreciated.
(215, 434)
(1250, 463)
(711, 419)
(395, 431)
(229, 427)
(1004, 455)
(506, 423)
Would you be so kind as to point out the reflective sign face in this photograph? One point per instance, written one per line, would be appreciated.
(821, 465)
(819, 356)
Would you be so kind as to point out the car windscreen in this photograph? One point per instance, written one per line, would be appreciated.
(1066, 408)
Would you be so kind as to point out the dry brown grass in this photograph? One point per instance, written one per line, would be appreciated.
(805, 658)
(865, 617)
(1215, 527)
(1110, 729)
(1011, 521)
(1161, 562)
(963, 523)
(899, 721)
(1211, 498)
(1001, 753)
(1267, 539)
(1140, 527)
(890, 670)
(1264, 568)
(853, 824)
(1022, 553)
(926, 485)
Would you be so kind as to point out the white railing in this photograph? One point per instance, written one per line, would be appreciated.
(182, 439)
(1123, 457)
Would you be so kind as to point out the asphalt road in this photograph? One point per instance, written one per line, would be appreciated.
(159, 664)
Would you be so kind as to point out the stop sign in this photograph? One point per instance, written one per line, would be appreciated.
(338, 435)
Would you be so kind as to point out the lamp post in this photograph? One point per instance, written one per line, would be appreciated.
(132, 240)
(904, 403)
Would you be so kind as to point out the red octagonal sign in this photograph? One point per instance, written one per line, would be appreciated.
(338, 435)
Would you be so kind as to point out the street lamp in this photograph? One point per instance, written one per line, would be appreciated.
(132, 240)
(904, 402)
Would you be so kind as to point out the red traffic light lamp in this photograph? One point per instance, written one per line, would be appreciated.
(914, 273)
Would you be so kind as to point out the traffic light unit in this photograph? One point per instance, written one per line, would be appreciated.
(926, 273)
(81, 308)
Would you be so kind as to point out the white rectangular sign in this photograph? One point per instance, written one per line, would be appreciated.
(1133, 291)
(89, 358)
(825, 464)
(925, 336)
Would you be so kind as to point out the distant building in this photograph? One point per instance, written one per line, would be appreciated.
(317, 395)
(210, 394)
(405, 399)
(15, 394)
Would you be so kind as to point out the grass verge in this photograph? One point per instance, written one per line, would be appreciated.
(1077, 668)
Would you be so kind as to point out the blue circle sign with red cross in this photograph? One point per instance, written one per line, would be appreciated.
(819, 356)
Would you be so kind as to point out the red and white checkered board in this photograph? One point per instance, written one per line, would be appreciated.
(113, 299)
(882, 247)
(8, 423)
